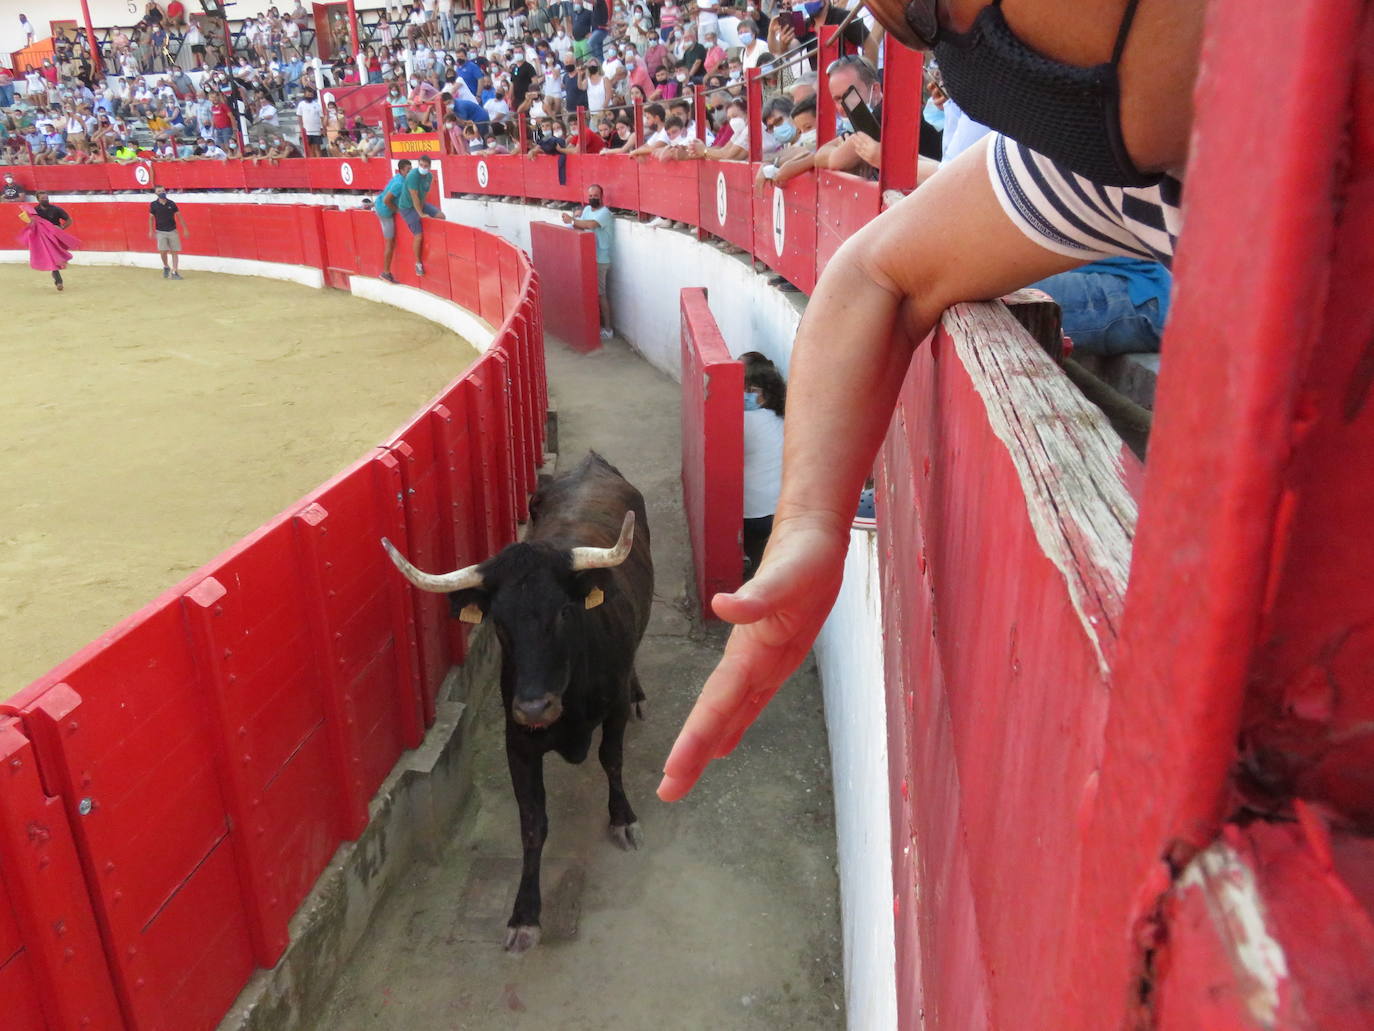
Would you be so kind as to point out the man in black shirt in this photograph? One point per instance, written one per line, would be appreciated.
(11, 191)
(163, 216)
(521, 75)
(50, 212)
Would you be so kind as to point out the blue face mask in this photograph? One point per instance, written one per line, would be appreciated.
(843, 126)
(785, 133)
(751, 401)
(934, 114)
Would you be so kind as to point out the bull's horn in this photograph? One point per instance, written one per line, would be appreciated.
(604, 558)
(458, 580)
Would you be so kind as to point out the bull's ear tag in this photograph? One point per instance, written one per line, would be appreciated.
(594, 598)
(472, 613)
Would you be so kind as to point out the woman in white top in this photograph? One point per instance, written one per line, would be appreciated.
(765, 402)
(596, 91)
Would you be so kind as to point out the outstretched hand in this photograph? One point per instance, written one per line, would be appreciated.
(777, 616)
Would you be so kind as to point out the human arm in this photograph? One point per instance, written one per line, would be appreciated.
(849, 153)
(879, 297)
(181, 224)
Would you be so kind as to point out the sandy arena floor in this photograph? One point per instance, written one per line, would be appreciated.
(146, 425)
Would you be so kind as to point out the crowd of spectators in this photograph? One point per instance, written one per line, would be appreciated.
(536, 63)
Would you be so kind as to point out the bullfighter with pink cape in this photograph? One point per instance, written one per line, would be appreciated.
(44, 233)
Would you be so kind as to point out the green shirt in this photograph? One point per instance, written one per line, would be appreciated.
(396, 187)
(419, 182)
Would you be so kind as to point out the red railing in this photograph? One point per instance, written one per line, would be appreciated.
(172, 791)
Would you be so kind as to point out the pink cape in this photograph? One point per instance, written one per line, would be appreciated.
(50, 248)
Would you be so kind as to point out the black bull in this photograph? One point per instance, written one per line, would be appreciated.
(569, 606)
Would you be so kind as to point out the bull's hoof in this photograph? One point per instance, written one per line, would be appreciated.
(627, 836)
(521, 938)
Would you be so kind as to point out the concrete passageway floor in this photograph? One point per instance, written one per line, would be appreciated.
(727, 917)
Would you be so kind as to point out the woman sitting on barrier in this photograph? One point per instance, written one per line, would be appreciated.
(974, 230)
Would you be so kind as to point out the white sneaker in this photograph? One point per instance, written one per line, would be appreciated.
(606, 334)
(660, 223)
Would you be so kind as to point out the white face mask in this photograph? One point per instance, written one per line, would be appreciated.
(737, 125)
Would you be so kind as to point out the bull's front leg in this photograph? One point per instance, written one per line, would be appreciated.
(527, 777)
(625, 830)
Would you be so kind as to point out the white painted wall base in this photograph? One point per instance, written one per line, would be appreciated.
(473, 328)
(190, 262)
(849, 654)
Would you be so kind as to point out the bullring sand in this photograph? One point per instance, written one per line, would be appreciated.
(148, 424)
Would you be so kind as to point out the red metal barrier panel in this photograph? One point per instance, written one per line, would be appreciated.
(249, 621)
(726, 201)
(502, 174)
(277, 227)
(101, 227)
(618, 177)
(125, 735)
(53, 972)
(490, 294)
(283, 175)
(429, 537)
(566, 261)
(334, 174)
(462, 267)
(785, 230)
(669, 188)
(436, 277)
(310, 232)
(71, 178)
(372, 657)
(844, 203)
(512, 277)
(340, 248)
(136, 175)
(541, 178)
(712, 451)
(235, 229)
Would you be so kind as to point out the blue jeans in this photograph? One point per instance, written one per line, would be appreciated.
(446, 26)
(1099, 316)
(595, 42)
(7, 96)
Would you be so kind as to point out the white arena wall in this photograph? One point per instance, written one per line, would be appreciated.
(649, 269)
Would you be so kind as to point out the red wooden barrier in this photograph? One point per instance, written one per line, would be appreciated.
(566, 261)
(712, 451)
(726, 201)
(53, 972)
(202, 761)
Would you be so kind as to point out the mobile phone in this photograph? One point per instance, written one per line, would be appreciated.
(860, 116)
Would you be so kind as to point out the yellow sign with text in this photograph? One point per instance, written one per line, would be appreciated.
(415, 144)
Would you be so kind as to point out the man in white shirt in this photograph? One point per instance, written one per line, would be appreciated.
(312, 119)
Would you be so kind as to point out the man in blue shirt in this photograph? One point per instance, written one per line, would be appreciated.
(469, 110)
(471, 73)
(597, 217)
(385, 206)
(413, 204)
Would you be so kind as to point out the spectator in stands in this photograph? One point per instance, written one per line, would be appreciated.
(999, 216)
(597, 218)
(311, 117)
(333, 126)
(765, 404)
(164, 220)
(6, 87)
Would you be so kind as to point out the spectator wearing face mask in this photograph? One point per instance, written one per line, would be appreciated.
(753, 51)
(765, 405)
(522, 75)
(597, 218)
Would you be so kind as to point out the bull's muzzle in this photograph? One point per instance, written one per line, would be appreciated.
(537, 712)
